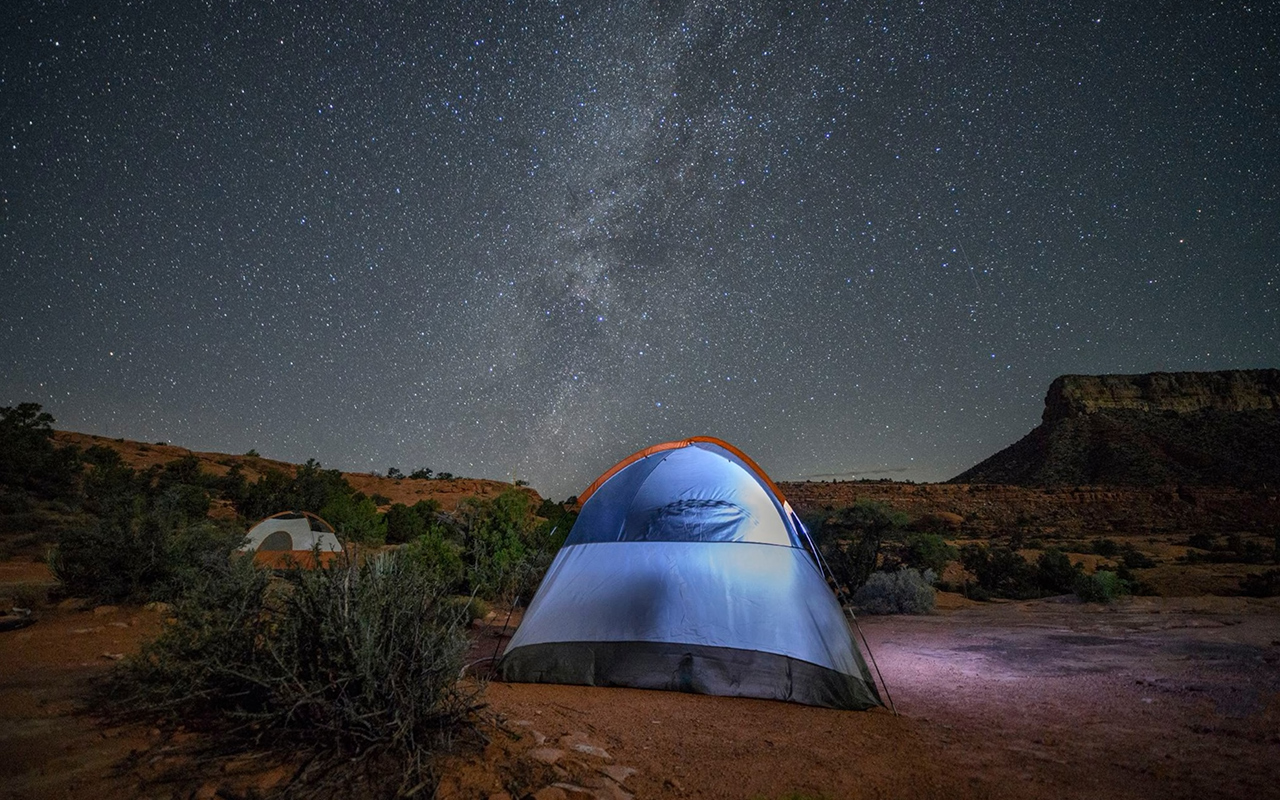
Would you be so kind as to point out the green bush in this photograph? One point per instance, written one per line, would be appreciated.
(1102, 586)
(138, 558)
(355, 518)
(999, 572)
(1134, 558)
(310, 489)
(29, 459)
(1055, 573)
(440, 558)
(1107, 548)
(406, 523)
(927, 551)
(147, 537)
(904, 591)
(353, 661)
(850, 539)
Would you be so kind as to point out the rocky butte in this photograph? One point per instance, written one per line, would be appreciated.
(1199, 428)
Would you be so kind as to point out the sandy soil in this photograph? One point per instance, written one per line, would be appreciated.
(1148, 697)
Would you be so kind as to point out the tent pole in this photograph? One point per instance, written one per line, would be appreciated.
(846, 603)
(507, 622)
(863, 637)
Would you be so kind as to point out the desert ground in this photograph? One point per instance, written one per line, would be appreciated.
(1145, 697)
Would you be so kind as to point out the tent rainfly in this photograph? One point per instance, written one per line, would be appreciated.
(688, 570)
(289, 539)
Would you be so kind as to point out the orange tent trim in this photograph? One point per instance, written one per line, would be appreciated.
(676, 445)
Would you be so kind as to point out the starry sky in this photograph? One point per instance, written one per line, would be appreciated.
(522, 240)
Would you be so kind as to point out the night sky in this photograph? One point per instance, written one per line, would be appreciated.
(522, 240)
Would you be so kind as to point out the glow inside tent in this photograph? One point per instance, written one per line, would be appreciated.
(687, 570)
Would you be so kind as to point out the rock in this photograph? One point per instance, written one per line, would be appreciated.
(591, 750)
(575, 792)
(550, 793)
(273, 778)
(500, 796)
(102, 610)
(207, 791)
(1198, 428)
(617, 772)
(546, 755)
(113, 656)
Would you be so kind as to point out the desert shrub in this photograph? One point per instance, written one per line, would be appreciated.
(558, 515)
(421, 473)
(310, 489)
(351, 660)
(1107, 548)
(497, 553)
(851, 538)
(1102, 586)
(926, 551)
(355, 517)
(1266, 584)
(147, 538)
(998, 571)
(403, 524)
(138, 557)
(1235, 550)
(506, 548)
(1133, 558)
(29, 459)
(1202, 541)
(903, 591)
(1055, 573)
(440, 558)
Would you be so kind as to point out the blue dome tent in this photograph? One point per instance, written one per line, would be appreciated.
(687, 570)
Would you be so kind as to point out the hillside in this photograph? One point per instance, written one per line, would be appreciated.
(1188, 428)
(447, 493)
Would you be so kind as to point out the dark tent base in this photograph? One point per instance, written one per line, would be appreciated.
(688, 668)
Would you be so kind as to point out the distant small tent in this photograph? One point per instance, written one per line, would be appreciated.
(290, 538)
(688, 570)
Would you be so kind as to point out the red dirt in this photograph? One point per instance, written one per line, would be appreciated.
(1178, 698)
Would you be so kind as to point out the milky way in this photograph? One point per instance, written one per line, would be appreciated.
(524, 240)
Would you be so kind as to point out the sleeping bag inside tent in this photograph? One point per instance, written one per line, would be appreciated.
(687, 570)
(289, 539)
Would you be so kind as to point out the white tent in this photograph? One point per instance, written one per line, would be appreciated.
(687, 570)
(291, 532)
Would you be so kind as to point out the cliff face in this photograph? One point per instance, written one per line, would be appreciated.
(1179, 392)
(1220, 428)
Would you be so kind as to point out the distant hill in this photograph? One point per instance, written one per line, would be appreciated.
(1198, 428)
(140, 455)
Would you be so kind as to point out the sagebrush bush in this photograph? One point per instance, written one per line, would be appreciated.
(350, 659)
(904, 591)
